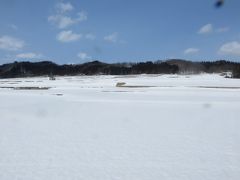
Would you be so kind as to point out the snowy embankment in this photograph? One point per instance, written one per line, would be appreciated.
(84, 127)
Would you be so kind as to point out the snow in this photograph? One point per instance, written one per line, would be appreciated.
(84, 127)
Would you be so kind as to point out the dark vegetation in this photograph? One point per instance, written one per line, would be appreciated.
(30, 69)
(236, 71)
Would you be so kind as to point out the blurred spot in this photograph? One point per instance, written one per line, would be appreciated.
(95, 136)
(126, 120)
(41, 113)
(219, 3)
(97, 50)
(14, 120)
(207, 105)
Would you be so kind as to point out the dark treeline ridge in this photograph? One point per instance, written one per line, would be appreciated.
(173, 66)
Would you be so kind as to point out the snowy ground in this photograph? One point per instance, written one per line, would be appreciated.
(85, 128)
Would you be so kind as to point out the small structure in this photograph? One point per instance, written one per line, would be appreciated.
(51, 77)
(120, 84)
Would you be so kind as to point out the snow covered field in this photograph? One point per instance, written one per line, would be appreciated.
(85, 128)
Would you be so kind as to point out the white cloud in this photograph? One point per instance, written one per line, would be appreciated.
(82, 16)
(83, 56)
(230, 48)
(113, 38)
(64, 7)
(206, 29)
(10, 43)
(222, 29)
(90, 36)
(191, 51)
(68, 36)
(29, 56)
(62, 21)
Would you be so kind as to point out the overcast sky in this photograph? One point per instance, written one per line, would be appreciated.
(76, 31)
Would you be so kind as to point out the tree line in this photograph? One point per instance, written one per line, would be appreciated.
(173, 66)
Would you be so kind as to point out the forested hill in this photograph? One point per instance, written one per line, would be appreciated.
(173, 66)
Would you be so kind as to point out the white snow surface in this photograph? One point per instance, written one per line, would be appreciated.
(85, 128)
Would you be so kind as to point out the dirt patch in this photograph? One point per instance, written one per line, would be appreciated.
(116, 91)
(25, 88)
(136, 86)
(31, 88)
(216, 87)
(6, 87)
(58, 94)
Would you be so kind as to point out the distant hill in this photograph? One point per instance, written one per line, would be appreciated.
(173, 66)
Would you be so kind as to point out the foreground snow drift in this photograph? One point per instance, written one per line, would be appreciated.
(164, 127)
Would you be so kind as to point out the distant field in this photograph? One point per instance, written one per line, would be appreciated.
(171, 127)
